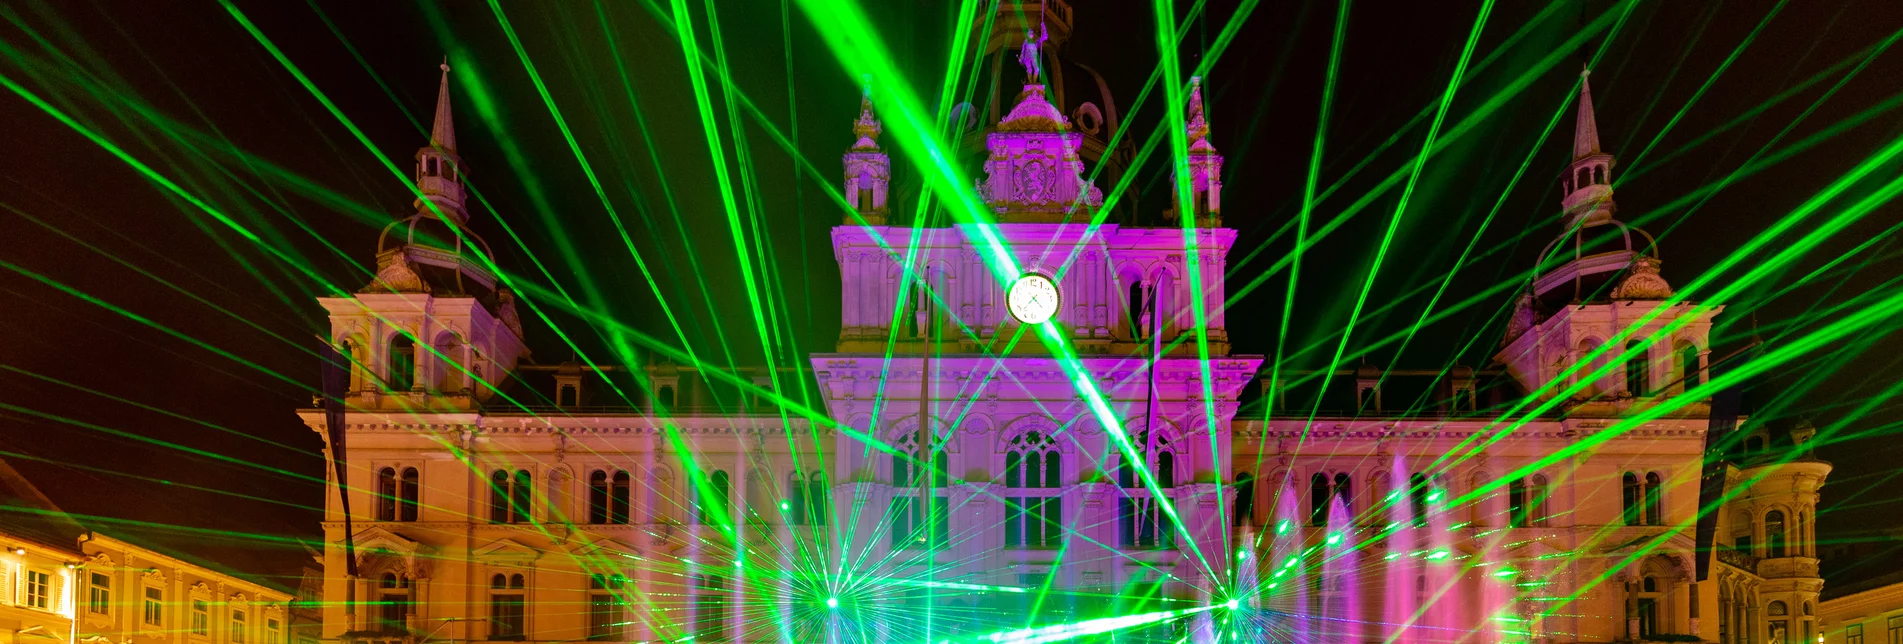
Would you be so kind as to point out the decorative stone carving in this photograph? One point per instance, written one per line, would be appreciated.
(1643, 282)
(505, 310)
(394, 275)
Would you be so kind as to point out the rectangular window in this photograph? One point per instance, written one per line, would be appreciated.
(1853, 634)
(1896, 629)
(99, 595)
(39, 589)
(909, 523)
(201, 618)
(1141, 524)
(505, 616)
(604, 617)
(1033, 522)
(154, 607)
(710, 608)
(238, 627)
(273, 634)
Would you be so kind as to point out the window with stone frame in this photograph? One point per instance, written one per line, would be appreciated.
(913, 523)
(606, 596)
(1033, 472)
(1141, 521)
(154, 606)
(239, 627)
(99, 593)
(508, 600)
(201, 618)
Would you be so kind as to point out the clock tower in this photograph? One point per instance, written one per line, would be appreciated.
(940, 361)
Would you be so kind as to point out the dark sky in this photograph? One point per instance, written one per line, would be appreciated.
(148, 414)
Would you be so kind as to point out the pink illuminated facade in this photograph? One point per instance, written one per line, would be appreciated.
(960, 481)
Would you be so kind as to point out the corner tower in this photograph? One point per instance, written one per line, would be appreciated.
(1595, 284)
(433, 330)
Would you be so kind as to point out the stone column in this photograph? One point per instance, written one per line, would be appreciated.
(1632, 610)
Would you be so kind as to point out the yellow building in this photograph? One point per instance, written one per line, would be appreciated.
(1870, 612)
(63, 584)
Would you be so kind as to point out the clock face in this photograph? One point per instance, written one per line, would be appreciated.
(1033, 299)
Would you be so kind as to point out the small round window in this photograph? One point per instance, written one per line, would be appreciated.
(1088, 118)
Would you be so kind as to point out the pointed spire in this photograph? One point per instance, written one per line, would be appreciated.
(1586, 131)
(442, 133)
(867, 128)
(1196, 121)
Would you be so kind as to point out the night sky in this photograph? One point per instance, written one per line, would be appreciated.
(136, 428)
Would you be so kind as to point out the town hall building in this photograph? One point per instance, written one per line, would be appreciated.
(954, 480)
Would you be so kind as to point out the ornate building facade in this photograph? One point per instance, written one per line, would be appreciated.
(952, 481)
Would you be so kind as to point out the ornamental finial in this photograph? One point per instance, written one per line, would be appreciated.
(867, 128)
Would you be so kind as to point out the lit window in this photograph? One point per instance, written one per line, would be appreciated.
(154, 607)
(99, 594)
(39, 589)
(201, 618)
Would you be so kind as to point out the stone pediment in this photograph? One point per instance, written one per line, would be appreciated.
(373, 541)
(506, 551)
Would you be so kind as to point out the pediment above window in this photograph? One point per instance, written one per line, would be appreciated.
(506, 551)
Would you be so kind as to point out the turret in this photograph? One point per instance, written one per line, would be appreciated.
(1205, 164)
(1587, 182)
(439, 175)
(1597, 279)
(434, 330)
(868, 170)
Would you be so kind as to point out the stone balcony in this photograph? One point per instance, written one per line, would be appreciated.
(1788, 568)
(1738, 559)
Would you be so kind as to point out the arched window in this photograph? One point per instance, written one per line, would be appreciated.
(386, 494)
(1599, 174)
(718, 488)
(1317, 499)
(1654, 506)
(507, 598)
(1777, 609)
(598, 497)
(620, 498)
(1140, 520)
(1137, 310)
(1688, 365)
(499, 496)
(1636, 382)
(1648, 605)
(393, 602)
(1033, 462)
(819, 500)
(1585, 177)
(1344, 490)
(401, 371)
(1754, 444)
(521, 493)
(1516, 504)
(1244, 508)
(1633, 496)
(1417, 490)
(605, 600)
(1541, 491)
(1587, 367)
(429, 166)
(665, 396)
(409, 493)
(1774, 537)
